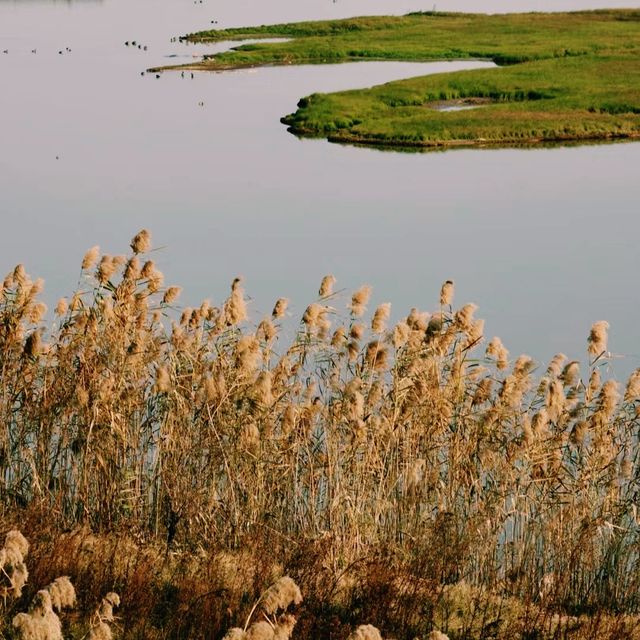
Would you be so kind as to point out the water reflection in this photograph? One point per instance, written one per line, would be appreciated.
(520, 146)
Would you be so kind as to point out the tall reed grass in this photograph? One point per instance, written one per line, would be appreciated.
(420, 452)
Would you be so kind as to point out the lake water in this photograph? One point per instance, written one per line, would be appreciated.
(544, 241)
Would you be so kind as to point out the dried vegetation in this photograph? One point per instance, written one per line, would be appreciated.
(411, 476)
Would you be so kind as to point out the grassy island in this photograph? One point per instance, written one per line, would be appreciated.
(563, 76)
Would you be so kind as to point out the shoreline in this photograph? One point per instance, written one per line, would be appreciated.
(480, 143)
(211, 64)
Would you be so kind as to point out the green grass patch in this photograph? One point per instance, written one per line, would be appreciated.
(565, 76)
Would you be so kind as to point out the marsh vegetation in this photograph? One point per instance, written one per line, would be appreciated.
(412, 475)
(564, 76)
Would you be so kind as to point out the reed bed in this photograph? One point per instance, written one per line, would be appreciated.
(414, 475)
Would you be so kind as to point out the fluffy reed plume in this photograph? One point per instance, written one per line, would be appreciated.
(401, 334)
(100, 631)
(280, 308)
(464, 317)
(482, 393)
(357, 331)
(365, 632)
(496, 350)
(431, 325)
(41, 622)
(312, 315)
(248, 354)
(555, 368)
(12, 563)
(112, 598)
(104, 612)
(475, 334)
(579, 432)
(266, 330)
(90, 258)
(163, 380)
(132, 270)
(598, 338)
(326, 286)
(33, 345)
(171, 295)
(19, 275)
(284, 627)
(376, 356)
(359, 301)
(106, 268)
(61, 307)
(42, 607)
(37, 312)
(250, 437)
(280, 595)
(437, 635)
(152, 275)
(555, 399)
(571, 373)
(16, 546)
(632, 391)
(63, 594)
(608, 398)
(141, 242)
(234, 634)
(380, 318)
(148, 270)
(26, 627)
(260, 631)
(415, 474)
(235, 308)
(339, 338)
(18, 578)
(446, 293)
(262, 389)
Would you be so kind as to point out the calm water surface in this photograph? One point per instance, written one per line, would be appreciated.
(543, 240)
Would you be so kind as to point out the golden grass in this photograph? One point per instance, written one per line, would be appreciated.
(412, 477)
(41, 620)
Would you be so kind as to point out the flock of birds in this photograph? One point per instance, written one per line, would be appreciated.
(181, 74)
(134, 44)
(128, 43)
(60, 52)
